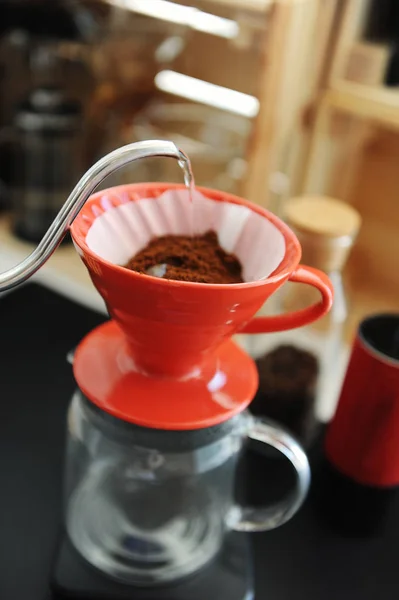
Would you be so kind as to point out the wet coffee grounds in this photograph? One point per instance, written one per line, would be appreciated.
(188, 258)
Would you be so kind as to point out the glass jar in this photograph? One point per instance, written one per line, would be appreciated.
(48, 158)
(301, 370)
(148, 506)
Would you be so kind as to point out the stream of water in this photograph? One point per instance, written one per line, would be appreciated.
(185, 165)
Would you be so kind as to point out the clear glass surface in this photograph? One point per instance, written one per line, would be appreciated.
(147, 516)
(301, 370)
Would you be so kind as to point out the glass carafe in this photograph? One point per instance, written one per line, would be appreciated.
(148, 506)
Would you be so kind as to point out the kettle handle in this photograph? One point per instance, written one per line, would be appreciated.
(249, 519)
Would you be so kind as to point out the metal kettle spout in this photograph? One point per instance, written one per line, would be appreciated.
(82, 191)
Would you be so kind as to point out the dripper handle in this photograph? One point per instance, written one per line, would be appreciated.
(84, 188)
(298, 318)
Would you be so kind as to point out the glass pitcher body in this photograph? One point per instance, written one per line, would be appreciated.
(148, 506)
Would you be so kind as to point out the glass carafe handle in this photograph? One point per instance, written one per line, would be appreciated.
(242, 518)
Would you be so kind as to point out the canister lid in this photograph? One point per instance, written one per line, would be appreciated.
(323, 216)
(326, 229)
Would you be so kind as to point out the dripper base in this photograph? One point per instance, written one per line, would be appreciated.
(107, 375)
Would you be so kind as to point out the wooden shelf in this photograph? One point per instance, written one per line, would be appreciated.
(377, 104)
(64, 272)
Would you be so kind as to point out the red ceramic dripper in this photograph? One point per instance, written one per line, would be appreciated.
(171, 327)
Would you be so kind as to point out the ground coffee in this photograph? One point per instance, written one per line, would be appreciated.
(287, 388)
(188, 258)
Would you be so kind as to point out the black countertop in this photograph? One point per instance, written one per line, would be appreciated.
(300, 560)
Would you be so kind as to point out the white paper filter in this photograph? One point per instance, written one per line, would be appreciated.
(120, 232)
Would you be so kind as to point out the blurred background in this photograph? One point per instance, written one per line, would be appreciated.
(270, 98)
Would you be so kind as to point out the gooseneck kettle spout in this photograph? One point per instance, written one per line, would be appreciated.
(82, 191)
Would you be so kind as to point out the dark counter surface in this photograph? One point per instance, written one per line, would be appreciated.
(298, 561)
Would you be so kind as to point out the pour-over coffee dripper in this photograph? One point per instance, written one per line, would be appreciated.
(157, 425)
(173, 330)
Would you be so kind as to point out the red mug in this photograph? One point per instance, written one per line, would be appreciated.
(171, 326)
(362, 441)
